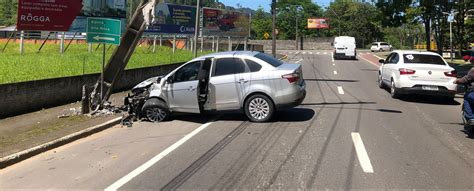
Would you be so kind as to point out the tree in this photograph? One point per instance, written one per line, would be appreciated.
(357, 19)
(8, 12)
(288, 11)
(261, 23)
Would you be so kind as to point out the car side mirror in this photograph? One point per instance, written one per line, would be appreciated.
(169, 80)
(382, 61)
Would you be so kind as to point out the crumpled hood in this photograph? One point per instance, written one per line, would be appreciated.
(148, 82)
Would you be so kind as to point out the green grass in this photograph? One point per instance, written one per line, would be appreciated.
(49, 63)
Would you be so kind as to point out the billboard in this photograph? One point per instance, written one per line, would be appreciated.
(41, 15)
(173, 19)
(115, 9)
(219, 22)
(318, 23)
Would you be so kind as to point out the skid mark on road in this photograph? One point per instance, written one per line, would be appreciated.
(234, 174)
(204, 159)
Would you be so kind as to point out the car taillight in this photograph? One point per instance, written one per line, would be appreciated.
(292, 77)
(451, 74)
(404, 71)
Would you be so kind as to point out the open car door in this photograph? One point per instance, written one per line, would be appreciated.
(203, 86)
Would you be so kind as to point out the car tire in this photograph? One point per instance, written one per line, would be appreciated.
(394, 90)
(155, 110)
(380, 82)
(259, 108)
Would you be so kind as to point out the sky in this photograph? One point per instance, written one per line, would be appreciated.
(254, 4)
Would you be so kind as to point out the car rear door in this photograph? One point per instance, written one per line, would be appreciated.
(224, 83)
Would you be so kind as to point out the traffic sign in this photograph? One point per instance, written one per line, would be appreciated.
(103, 30)
(266, 35)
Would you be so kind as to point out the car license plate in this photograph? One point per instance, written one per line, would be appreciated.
(430, 88)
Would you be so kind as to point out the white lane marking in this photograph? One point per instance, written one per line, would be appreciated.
(290, 52)
(122, 181)
(332, 58)
(362, 153)
(340, 90)
(333, 64)
(325, 53)
(317, 52)
(310, 52)
(298, 61)
(335, 72)
(304, 52)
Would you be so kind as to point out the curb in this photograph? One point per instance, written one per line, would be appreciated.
(25, 154)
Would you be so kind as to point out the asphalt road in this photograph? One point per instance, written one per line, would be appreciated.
(347, 134)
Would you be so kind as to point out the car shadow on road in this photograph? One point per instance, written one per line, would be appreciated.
(339, 103)
(429, 100)
(286, 115)
(330, 80)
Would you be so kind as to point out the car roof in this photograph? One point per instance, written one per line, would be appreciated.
(416, 52)
(227, 54)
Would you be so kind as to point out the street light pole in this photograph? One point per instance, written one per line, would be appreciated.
(450, 20)
(296, 36)
(196, 28)
(273, 28)
(338, 23)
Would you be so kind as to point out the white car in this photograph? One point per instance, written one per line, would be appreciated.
(380, 47)
(425, 73)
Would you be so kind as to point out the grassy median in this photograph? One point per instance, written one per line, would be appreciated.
(49, 63)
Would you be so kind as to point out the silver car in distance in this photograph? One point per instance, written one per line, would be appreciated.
(252, 82)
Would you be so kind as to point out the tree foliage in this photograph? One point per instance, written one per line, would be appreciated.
(8, 10)
(357, 19)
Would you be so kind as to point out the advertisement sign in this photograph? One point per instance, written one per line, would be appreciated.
(103, 30)
(173, 19)
(219, 22)
(317, 23)
(51, 15)
(115, 9)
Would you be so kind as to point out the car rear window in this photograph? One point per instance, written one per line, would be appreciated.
(423, 59)
(269, 59)
(253, 66)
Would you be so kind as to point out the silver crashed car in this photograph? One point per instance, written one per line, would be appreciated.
(252, 82)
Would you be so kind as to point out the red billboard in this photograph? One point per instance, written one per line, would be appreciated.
(317, 23)
(219, 22)
(47, 15)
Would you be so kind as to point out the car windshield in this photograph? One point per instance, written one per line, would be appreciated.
(423, 59)
(269, 59)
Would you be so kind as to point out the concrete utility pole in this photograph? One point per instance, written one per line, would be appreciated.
(273, 28)
(196, 28)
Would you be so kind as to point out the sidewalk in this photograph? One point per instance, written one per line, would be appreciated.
(25, 131)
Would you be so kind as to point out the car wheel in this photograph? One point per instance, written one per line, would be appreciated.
(380, 82)
(155, 110)
(259, 108)
(393, 90)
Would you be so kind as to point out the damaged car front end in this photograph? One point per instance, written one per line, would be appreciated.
(140, 94)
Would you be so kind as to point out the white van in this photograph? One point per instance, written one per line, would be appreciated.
(344, 46)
